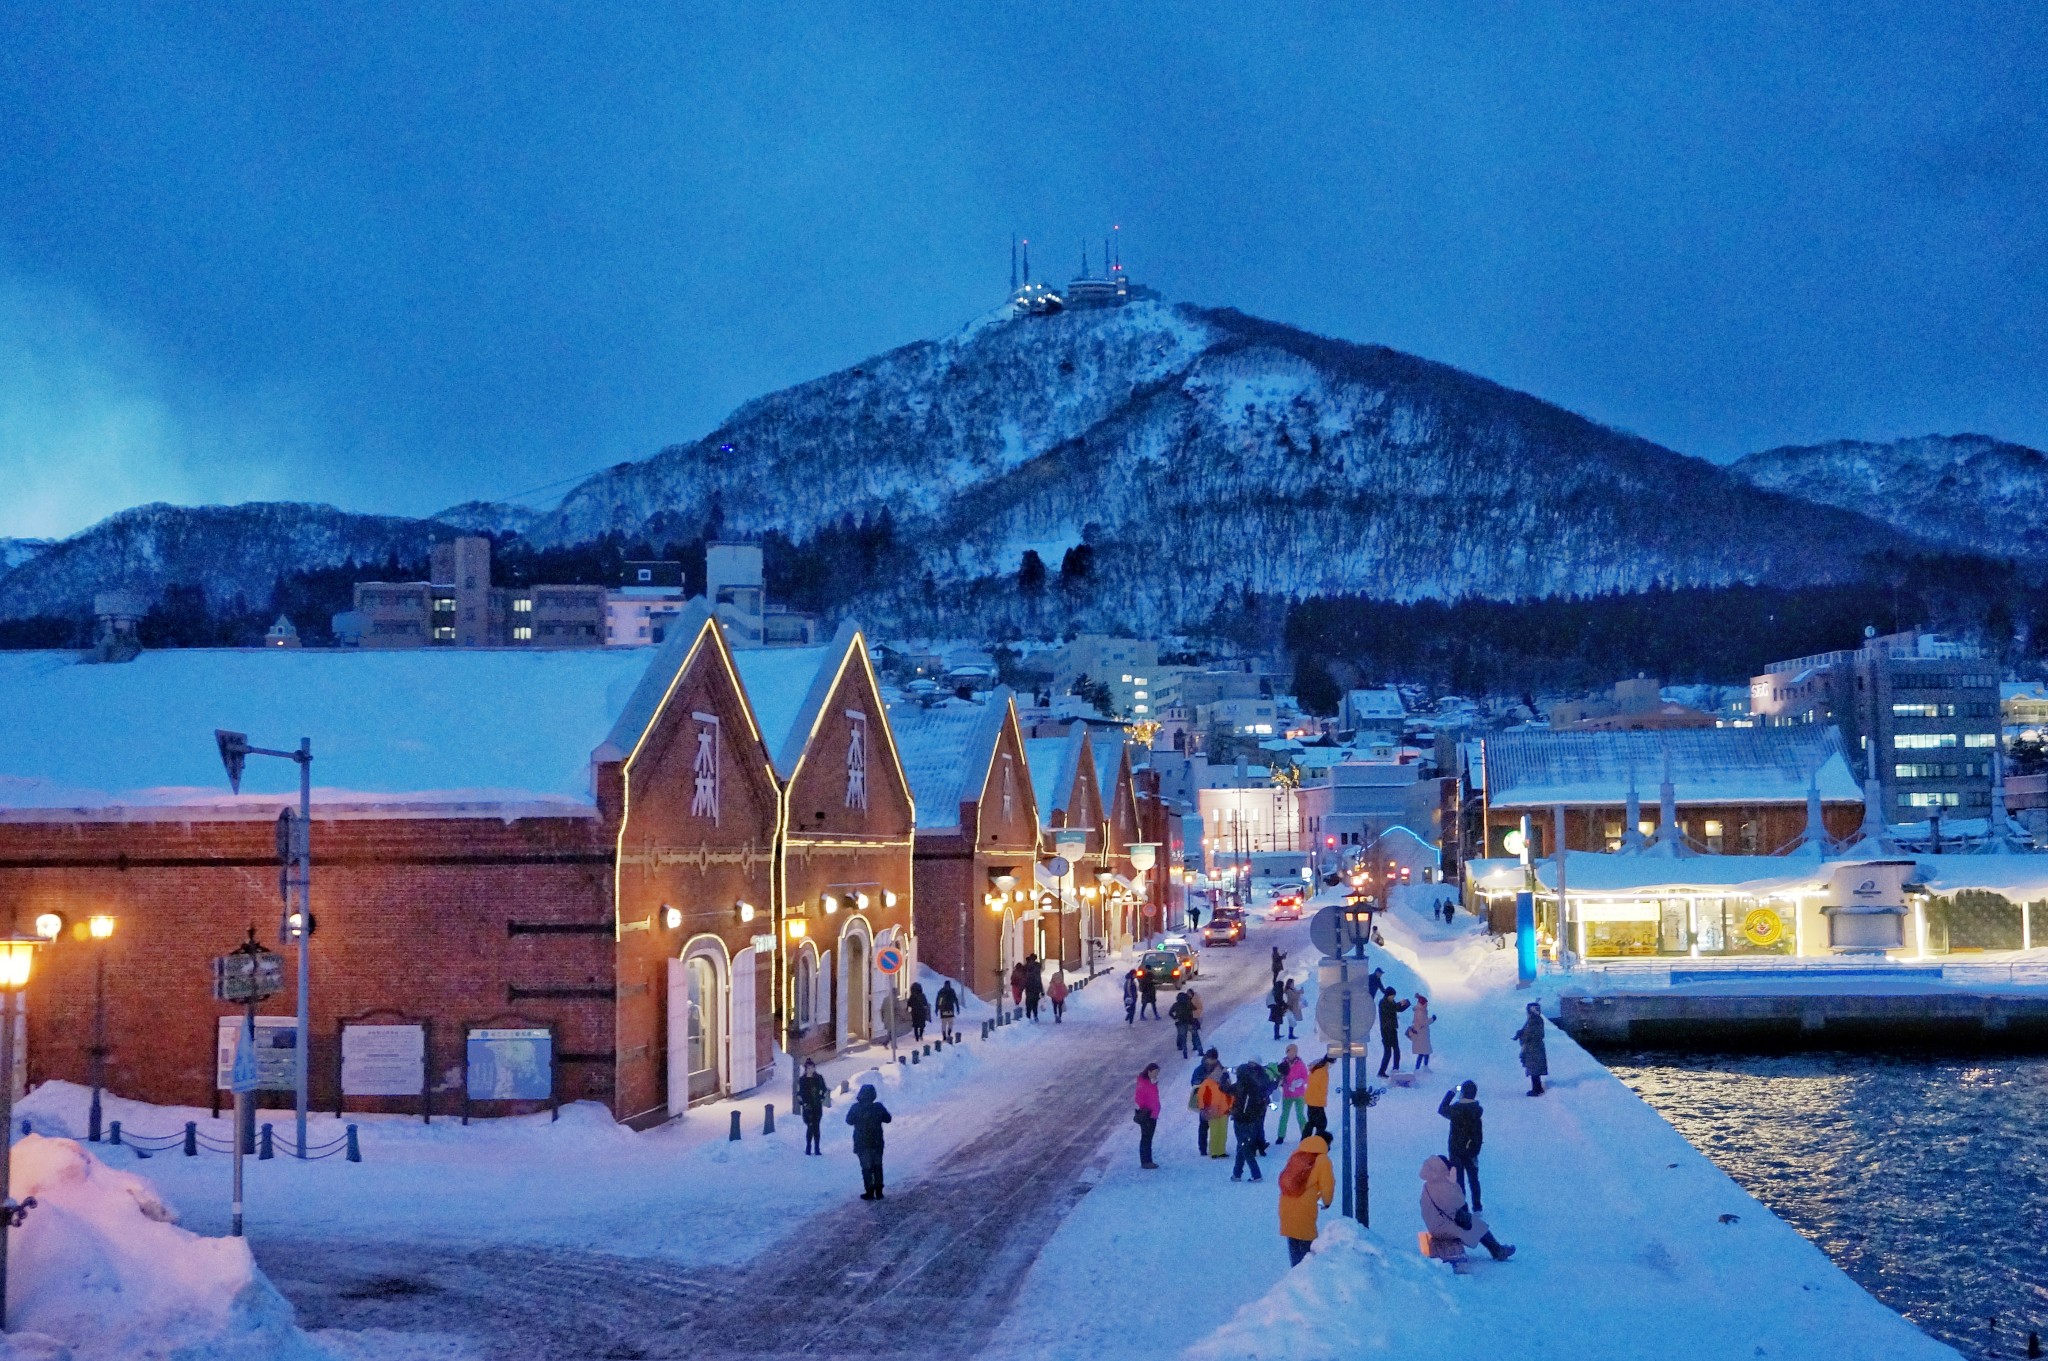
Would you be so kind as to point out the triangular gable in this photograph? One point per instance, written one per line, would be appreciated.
(949, 752)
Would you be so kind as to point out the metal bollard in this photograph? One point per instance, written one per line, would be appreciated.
(263, 1151)
(115, 1129)
(191, 1138)
(24, 1126)
(845, 1086)
(914, 1057)
(734, 1137)
(355, 1151)
(768, 1119)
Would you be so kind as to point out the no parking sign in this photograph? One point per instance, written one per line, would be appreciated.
(888, 959)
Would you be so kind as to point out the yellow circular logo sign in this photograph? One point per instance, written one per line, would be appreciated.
(1763, 926)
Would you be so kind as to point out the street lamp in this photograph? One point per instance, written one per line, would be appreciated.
(17, 954)
(295, 847)
(100, 928)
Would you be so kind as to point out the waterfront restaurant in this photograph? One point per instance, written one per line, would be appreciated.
(1759, 907)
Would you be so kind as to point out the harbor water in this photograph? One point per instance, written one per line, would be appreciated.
(1925, 1179)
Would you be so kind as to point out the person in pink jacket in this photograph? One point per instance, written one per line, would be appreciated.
(1293, 1092)
(1146, 1114)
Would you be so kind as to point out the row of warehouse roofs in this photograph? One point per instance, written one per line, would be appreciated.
(444, 732)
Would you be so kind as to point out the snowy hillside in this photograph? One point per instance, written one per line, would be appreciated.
(230, 550)
(14, 552)
(1205, 452)
(1968, 492)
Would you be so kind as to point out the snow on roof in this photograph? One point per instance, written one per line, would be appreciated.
(1537, 768)
(2018, 877)
(946, 750)
(398, 731)
(1054, 762)
(1384, 702)
(1108, 765)
(787, 686)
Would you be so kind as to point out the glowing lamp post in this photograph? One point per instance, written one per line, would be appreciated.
(17, 955)
(99, 928)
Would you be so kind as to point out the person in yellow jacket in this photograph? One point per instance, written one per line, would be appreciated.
(1317, 1097)
(1307, 1186)
(1213, 1099)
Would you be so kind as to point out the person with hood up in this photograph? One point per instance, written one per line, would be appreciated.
(1180, 1011)
(948, 1005)
(1307, 1186)
(1056, 993)
(1418, 1032)
(1210, 1101)
(1292, 1000)
(1535, 1058)
(1148, 996)
(1017, 984)
(1248, 1102)
(813, 1094)
(1461, 1107)
(1317, 1098)
(1451, 1225)
(1147, 1114)
(920, 1009)
(1293, 1087)
(867, 1118)
(1034, 984)
(1391, 1008)
(1131, 997)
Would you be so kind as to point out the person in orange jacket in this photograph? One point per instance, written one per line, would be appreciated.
(1317, 1097)
(1214, 1099)
(1307, 1186)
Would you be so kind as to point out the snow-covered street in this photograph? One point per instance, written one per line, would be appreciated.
(1018, 1224)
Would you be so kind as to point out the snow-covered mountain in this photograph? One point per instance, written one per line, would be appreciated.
(230, 550)
(1205, 452)
(1968, 492)
(14, 552)
(1202, 454)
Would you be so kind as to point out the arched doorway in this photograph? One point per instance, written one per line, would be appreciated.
(856, 1006)
(703, 1034)
(804, 1004)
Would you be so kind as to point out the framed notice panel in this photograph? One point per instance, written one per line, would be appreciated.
(509, 1063)
(277, 1053)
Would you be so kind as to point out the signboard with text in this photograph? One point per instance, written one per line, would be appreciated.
(510, 1064)
(383, 1060)
(277, 1053)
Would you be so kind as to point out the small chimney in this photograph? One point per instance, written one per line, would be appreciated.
(114, 637)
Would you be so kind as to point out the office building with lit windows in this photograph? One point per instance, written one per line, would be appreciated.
(1918, 711)
(457, 606)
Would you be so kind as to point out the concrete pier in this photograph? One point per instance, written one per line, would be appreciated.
(1787, 1021)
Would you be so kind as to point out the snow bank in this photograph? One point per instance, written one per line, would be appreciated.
(100, 1268)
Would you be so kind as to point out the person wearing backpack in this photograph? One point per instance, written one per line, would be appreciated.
(1180, 1012)
(1308, 1184)
(1248, 1115)
(948, 1004)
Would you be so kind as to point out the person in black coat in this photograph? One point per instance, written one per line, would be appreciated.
(948, 1003)
(867, 1118)
(1535, 1056)
(1182, 1014)
(920, 1012)
(1148, 993)
(1279, 965)
(1034, 984)
(1391, 1008)
(1131, 997)
(813, 1094)
(1249, 1097)
(1461, 1107)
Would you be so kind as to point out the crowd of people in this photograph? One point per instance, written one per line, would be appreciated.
(1231, 1105)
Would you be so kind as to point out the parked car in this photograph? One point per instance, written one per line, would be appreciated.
(1222, 930)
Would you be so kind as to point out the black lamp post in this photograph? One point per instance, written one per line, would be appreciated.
(99, 928)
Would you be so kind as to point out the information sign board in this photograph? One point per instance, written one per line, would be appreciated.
(383, 1060)
(515, 1064)
(277, 1053)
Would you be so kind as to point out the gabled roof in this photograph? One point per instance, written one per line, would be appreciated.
(1055, 764)
(1109, 758)
(946, 751)
(482, 731)
(1537, 768)
(787, 687)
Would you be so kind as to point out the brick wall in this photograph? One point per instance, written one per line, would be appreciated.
(417, 915)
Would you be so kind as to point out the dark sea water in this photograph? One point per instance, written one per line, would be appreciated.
(1926, 1179)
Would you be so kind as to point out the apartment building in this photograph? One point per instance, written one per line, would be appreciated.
(457, 606)
(1918, 711)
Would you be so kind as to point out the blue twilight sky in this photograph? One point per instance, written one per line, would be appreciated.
(399, 256)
